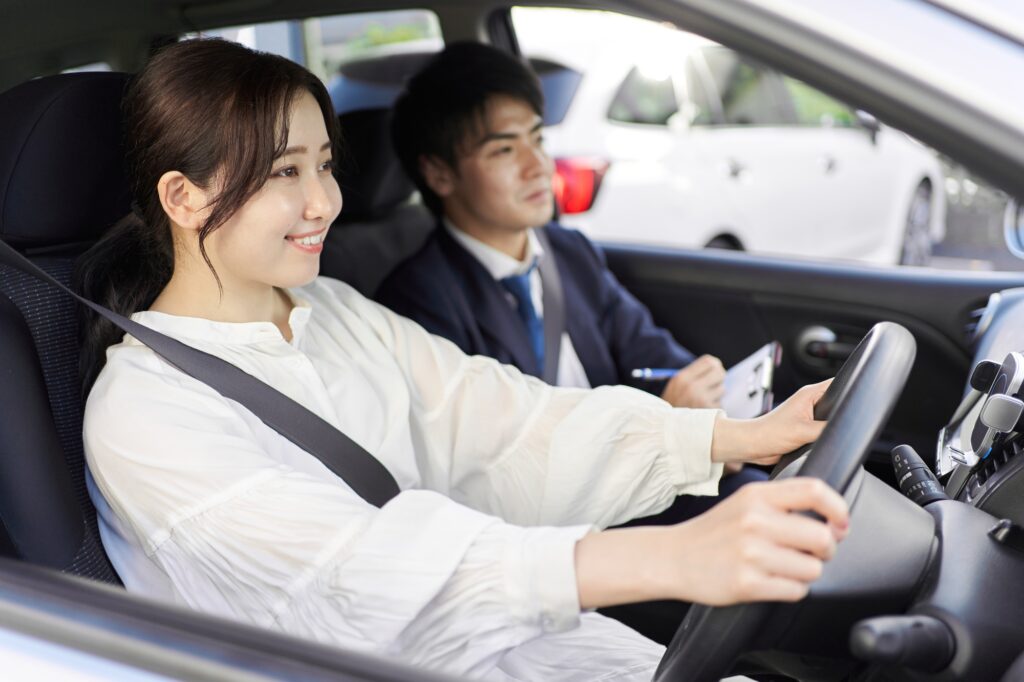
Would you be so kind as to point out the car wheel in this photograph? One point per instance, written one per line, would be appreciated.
(917, 233)
(725, 241)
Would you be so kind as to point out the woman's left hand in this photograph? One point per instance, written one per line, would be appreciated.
(765, 439)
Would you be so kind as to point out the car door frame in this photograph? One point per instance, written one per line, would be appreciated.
(111, 624)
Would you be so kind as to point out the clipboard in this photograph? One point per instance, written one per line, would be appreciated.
(748, 383)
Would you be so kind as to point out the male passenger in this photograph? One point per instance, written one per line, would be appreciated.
(468, 131)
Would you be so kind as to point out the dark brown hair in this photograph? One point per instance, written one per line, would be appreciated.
(445, 102)
(216, 112)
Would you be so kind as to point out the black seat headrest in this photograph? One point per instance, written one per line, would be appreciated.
(371, 177)
(62, 177)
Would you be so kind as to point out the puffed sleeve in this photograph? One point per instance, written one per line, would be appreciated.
(240, 534)
(511, 445)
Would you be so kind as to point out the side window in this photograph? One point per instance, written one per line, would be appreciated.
(363, 58)
(815, 108)
(706, 108)
(759, 160)
(750, 94)
(645, 98)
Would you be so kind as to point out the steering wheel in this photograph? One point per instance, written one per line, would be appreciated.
(857, 405)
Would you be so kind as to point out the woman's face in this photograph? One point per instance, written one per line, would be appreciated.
(275, 239)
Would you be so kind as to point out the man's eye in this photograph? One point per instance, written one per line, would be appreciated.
(501, 151)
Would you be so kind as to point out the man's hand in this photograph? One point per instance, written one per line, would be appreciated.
(699, 384)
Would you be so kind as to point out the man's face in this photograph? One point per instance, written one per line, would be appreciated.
(502, 178)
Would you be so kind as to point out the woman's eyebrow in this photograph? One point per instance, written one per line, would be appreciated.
(302, 149)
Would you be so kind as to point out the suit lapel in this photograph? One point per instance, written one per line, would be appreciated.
(499, 322)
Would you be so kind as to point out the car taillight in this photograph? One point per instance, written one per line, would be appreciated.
(576, 182)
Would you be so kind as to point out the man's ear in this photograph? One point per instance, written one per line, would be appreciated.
(439, 176)
(184, 202)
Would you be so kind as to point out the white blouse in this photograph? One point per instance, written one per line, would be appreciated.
(470, 569)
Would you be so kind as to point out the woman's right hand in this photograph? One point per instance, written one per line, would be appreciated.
(749, 547)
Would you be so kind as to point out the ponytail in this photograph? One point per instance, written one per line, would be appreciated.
(125, 271)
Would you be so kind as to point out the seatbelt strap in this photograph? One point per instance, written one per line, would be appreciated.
(553, 300)
(339, 453)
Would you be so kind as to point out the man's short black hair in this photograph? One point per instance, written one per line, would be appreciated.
(446, 101)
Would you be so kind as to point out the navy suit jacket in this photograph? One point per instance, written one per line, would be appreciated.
(445, 289)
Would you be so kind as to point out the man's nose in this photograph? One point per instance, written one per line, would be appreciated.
(537, 161)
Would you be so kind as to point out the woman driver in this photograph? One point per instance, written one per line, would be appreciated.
(491, 559)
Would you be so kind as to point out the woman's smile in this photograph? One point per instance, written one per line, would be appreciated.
(310, 242)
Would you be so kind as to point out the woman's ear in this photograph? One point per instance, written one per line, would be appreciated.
(438, 175)
(184, 202)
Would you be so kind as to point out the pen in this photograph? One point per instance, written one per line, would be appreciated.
(653, 373)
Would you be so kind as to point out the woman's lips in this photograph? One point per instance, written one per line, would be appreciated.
(309, 242)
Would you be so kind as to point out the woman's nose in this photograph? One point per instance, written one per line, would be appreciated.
(319, 193)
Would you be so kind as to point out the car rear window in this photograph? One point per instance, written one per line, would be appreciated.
(559, 84)
(363, 58)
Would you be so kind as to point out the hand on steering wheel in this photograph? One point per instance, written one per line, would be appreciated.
(787, 427)
(751, 548)
(857, 405)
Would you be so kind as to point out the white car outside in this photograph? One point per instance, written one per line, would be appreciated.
(701, 147)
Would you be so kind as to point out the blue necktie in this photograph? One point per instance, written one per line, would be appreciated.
(519, 287)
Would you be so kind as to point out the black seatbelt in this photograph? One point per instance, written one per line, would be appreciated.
(339, 453)
(553, 300)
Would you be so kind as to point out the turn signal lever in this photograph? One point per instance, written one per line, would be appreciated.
(915, 479)
(920, 643)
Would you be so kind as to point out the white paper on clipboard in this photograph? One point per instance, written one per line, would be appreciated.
(748, 383)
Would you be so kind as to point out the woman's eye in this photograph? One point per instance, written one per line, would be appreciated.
(286, 172)
(327, 166)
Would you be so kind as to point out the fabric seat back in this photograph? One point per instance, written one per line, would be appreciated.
(382, 221)
(62, 183)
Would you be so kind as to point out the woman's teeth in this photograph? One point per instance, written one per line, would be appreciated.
(310, 241)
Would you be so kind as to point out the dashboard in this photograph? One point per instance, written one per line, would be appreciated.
(980, 452)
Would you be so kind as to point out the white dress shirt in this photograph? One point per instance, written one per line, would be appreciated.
(500, 265)
(470, 569)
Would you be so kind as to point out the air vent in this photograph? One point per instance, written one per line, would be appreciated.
(978, 320)
(973, 318)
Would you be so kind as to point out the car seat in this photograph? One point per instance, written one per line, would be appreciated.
(62, 183)
(382, 221)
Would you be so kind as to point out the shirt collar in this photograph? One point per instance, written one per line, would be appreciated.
(180, 326)
(499, 265)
